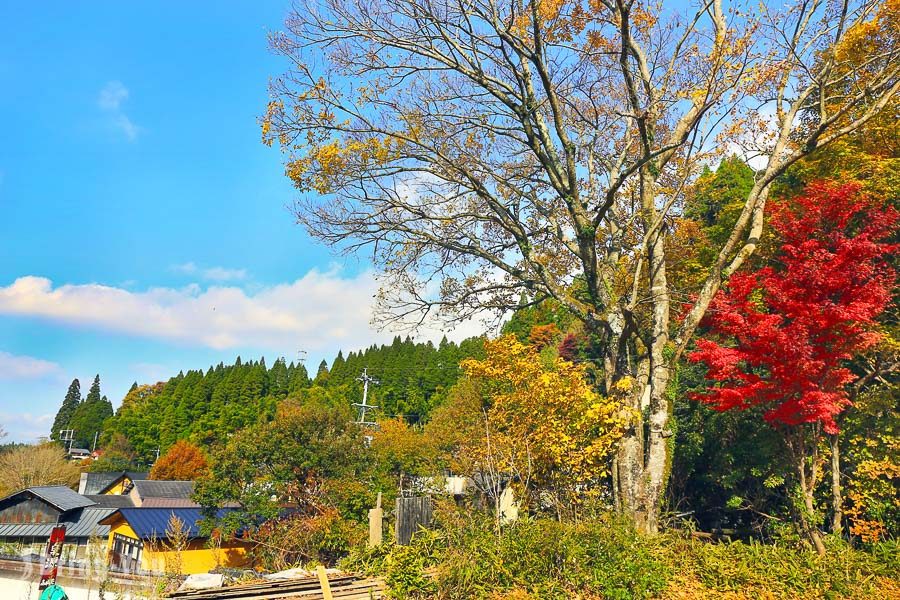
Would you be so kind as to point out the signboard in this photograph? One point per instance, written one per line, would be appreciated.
(54, 551)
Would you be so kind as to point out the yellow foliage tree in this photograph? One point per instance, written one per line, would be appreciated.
(541, 423)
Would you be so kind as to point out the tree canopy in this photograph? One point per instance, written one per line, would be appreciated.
(485, 150)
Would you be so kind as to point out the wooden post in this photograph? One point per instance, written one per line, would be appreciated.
(323, 581)
(376, 518)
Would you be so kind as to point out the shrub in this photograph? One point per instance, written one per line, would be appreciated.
(464, 557)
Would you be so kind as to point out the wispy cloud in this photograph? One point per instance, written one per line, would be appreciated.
(13, 367)
(211, 273)
(113, 94)
(26, 427)
(320, 311)
(110, 100)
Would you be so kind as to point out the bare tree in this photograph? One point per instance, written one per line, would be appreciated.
(484, 149)
(28, 466)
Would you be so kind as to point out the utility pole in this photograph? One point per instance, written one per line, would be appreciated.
(96, 434)
(364, 407)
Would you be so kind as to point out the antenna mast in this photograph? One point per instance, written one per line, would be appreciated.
(67, 436)
(364, 407)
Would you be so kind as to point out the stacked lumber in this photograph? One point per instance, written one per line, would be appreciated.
(342, 588)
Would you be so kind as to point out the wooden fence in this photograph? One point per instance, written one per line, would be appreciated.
(411, 513)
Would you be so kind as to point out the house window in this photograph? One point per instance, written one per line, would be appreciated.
(126, 553)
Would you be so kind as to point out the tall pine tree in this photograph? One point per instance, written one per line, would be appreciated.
(88, 418)
(67, 410)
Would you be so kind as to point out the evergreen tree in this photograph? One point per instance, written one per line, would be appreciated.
(94, 392)
(322, 373)
(89, 416)
(67, 410)
(717, 199)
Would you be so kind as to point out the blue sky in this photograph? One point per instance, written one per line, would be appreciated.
(144, 227)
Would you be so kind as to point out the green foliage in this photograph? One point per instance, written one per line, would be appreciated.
(526, 318)
(404, 572)
(870, 439)
(605, 558)
(207, 407)
(544, 557)
(755, 570)
(718, 199)
(67, 410)
(413, 377)
(724, 463)
(89, 416)
(297, 539)
(204, 407)
(286, 461)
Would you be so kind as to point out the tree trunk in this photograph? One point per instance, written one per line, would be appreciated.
(643, 457)
(658, 449)
(806, 513)
(837, 500)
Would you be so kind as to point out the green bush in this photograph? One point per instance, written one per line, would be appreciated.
(543, 557)
(785, 571)
(464, 557)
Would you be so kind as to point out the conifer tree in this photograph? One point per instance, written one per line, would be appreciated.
(67, 410)
(87, 419)
(322, 373)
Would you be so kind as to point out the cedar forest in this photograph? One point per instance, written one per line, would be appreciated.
(693, 389)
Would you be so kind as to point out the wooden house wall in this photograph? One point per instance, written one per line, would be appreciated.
(31, 510)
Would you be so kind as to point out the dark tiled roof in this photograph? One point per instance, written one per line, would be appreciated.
(152, 523)
(97, 483)
(111, 500)
(57, 496)
(80, 523)
(164, 489)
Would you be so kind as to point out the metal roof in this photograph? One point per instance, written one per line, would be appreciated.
(164, 489)
(81, 523)
(58, 496)
(111, 500)
(169, 503)
(152, 523)
(99, 482)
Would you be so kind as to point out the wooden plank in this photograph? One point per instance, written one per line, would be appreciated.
(323, 581)
(344, 587)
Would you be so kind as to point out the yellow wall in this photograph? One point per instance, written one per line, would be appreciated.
(118, 488)
(196, 558)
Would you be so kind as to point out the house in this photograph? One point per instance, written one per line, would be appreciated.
(142, 540)
(78, 454)
(108, 482)
(28, 516)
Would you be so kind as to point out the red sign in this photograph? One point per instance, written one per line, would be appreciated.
(54, 551)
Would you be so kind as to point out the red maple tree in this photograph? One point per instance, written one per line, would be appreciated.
(781, 337)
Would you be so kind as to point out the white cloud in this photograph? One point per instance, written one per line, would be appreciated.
(110, 100)
(124, 124)
(211, 273)
(26, 427)
(26, 367)
(320, 311)
(113, 94)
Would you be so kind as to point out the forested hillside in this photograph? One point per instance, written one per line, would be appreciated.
(207, 406)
